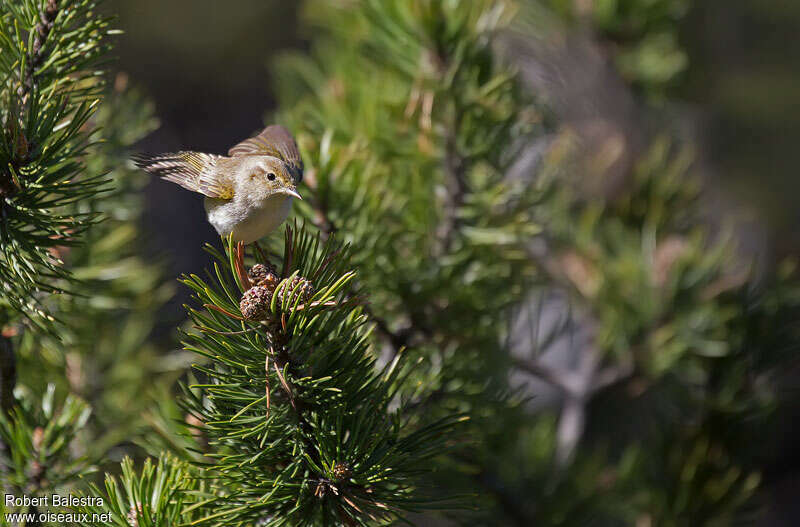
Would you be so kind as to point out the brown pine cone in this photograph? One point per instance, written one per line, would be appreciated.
(261, 274)
(255, 302)
(293, 287)
(341, 471)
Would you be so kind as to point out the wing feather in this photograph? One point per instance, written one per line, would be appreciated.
(276, 141)
(194, 171)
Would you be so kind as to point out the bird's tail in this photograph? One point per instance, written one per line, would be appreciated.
(191, 170)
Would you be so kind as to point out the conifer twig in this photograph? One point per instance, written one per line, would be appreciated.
(15, 124)
(38, 52)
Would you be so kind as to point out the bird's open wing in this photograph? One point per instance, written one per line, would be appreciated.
(274, 141)
(194, 171)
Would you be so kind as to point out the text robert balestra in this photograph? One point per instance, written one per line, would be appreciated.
(52, 500)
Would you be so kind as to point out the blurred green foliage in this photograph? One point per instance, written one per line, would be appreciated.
(408, 121)
(641, 36)
(40, 455)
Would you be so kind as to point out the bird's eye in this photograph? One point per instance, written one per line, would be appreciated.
(271, 176)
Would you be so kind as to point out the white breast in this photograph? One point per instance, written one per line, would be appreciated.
(248, 223)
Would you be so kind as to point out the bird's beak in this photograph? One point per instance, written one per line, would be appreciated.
(293, 193)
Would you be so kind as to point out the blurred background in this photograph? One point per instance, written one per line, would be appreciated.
(733, 87)
(206, 66)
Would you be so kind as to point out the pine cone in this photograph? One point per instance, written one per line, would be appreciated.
(261, 274)
(295, 286)
(255, 302)
(341, 471)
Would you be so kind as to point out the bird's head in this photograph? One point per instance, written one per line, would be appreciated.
(265, 176)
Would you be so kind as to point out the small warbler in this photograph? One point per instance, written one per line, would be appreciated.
(248, 193)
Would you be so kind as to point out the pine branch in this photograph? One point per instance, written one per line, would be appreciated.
(165, 493)
(50, 59)
(38, 53)
(327, 446)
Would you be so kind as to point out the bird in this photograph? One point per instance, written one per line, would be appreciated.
(249, 192)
